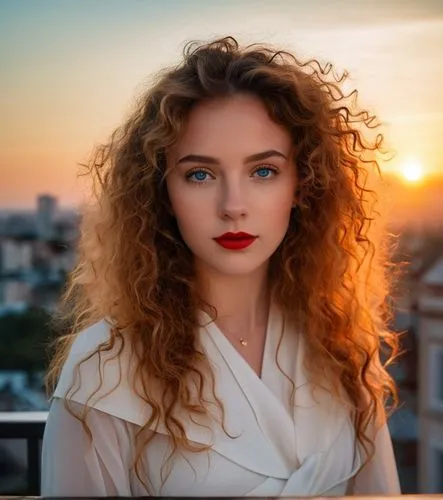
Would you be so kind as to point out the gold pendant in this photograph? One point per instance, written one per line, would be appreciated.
(244, 342)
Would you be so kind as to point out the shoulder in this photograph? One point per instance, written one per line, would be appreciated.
(85, 345)
(100, 378)
(89, 339)
(82, 363)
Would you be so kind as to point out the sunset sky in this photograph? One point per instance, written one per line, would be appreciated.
(70, 70)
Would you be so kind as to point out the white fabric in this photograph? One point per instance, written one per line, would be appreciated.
(278, 450)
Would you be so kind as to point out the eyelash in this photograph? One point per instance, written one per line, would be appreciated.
(189, 174)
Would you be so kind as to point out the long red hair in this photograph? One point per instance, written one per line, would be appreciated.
(331, 274)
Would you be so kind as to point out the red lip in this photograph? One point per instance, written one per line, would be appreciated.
(235, 241)
(234, 236)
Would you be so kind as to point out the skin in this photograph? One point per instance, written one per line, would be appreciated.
(231, 191)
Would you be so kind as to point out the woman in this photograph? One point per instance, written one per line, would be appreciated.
(228, 304)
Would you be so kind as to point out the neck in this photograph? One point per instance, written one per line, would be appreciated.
(242, 301)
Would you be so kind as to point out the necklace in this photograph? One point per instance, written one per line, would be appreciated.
(244, 342)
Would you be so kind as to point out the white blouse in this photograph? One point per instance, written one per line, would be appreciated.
(307, 449)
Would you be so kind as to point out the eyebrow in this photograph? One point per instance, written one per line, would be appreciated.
(214, 161)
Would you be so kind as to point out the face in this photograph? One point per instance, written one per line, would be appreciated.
(232, 171)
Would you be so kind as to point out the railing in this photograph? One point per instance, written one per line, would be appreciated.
(28, 426)
(371, 497)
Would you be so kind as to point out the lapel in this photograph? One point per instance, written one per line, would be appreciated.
(248, 447)
(267, 397)
(298, 444)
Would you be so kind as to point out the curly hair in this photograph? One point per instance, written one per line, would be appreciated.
(332, 273)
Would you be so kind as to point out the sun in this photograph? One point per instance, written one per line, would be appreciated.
(412, 171)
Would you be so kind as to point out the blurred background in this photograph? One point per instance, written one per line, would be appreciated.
(70, 71)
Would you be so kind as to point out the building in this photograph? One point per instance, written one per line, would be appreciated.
(403, 424)
(17, 224)
(15, 292)
(33, 267)
(429, 296)
(45, 218)
(15, 255)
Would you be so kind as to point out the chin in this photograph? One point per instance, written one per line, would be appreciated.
(240, 268)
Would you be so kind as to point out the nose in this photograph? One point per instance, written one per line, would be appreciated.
(232, 203)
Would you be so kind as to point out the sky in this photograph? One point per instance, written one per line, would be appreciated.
(70, 70)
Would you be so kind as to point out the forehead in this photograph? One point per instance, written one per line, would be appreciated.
(234, 125)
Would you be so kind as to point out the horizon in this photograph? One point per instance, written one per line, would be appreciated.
(65, 93)
(403, 204)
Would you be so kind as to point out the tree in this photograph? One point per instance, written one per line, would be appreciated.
(24, 339)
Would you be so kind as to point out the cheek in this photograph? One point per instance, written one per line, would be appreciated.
(189, 211)
(278, 219)
(177, 197)
(277, 208)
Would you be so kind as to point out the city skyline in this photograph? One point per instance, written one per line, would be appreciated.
(71, 71)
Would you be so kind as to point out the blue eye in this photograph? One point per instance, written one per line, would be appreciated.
(264, 172)
(197, 176)
(200, 176)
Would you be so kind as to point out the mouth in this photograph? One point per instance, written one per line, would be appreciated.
(235, 241)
